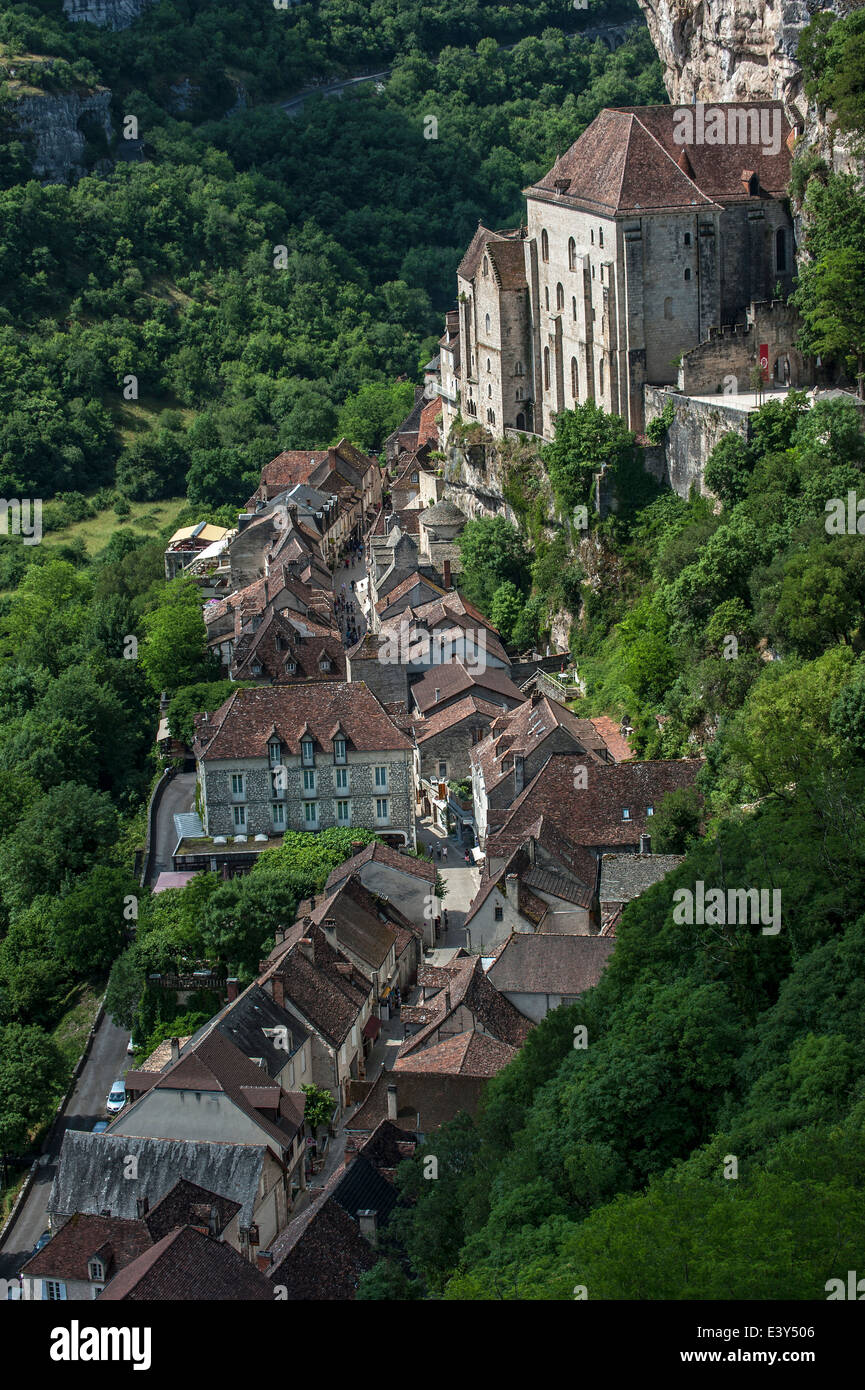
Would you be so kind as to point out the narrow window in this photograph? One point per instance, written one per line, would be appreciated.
(668, 307)
(545, 245)
(687, 272)
(560, 297)
(781, 249)
(575, 379)
(572, 254)
(546, 369)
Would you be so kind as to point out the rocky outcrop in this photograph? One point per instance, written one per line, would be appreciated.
(732, 50)
(742, 50)
(108, 14)
(60, 125)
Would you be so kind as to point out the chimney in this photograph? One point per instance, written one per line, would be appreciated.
(264, 1260)
(645, 844)
(277, 991)
(212, 1221)
(368, 1222)
(511, 881)
(232, 985)
(446, 574)
(328, 926)
(391, 1102)
(438, 695)
(175, 1049)
(279, 936)
(306, 947)
(356, 846)
(447, 1001)
(143, 1205)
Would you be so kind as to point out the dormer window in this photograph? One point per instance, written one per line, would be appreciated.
(274, 752)
(324, 664)
(626, 813)
(650, 810)
(339, 750)
(307, 752)
(256, 668)
(290, 667)
(96, 1270)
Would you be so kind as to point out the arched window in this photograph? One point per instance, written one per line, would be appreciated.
(572, 254)
(486, 266)
(488, 364)
(687, 238)
(574, 308)
(592, 235)
(600, 236)
(487, 323)
(518, 394)
(781, 249)
(489, 390)
(521, 421)
(668, 307)
(546, 369)
(560, 297)
(687, 272)
(545, 245)
(547, 295)
(575, 379)
(518, 369)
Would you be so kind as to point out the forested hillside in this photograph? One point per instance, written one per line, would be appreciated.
(265, 278)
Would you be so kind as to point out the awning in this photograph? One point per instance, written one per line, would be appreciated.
(372, 1027)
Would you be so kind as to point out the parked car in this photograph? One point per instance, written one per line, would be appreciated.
(116, 1097)
(100, 1126)
(42, 1241)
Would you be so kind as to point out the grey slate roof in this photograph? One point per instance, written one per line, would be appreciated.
(364, 1189)
(244, 1021)
(626, 876)
(90, 1173)
(550, 964)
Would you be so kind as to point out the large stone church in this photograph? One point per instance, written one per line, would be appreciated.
(637, 248)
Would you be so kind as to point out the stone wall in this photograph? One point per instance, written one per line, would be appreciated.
(695, 430)
(732, 352)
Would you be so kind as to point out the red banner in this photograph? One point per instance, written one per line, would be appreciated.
(764, 360)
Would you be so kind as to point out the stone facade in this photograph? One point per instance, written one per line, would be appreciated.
(635, 248)
(256, 809)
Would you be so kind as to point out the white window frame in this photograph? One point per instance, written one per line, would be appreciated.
(382, 818)
(239, 816)
(309, 781)
(307, 759)
(277, 814)
(340, 819)
(340, 752)
(380, 777)
(238, 791)
(310, 813)
(341, 779)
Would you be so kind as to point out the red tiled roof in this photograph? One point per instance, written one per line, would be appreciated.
(116, 1242)
(628, 161)
(465, 1054)
(379, 853)
(548, 964)
(453, 679)
(610, 731)
(241, 727)
(187, 1265)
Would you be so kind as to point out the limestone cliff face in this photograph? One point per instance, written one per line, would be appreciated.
(738, 50)
(60, 124)
(732, 50)
(108, 14)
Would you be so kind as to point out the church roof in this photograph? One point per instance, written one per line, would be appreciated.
(629, 161)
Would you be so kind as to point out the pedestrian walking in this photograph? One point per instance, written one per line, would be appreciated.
(446, 919)
(468, 857)
(444, 851)
(438, 851)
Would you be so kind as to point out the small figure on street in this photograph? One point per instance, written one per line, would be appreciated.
(444, 851)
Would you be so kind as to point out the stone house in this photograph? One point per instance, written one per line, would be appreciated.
(304, 757)
(188, 1265)
(637, 243)
(395, 878)
(316, 982)
(211, 1091)
(516, 748)
(540, 973)
(93, 1177)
